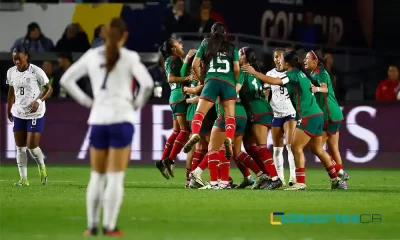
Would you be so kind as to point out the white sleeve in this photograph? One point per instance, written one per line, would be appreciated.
(284, 79)
(8, 79)
(72, 75)
(41, 76)
(145, 81)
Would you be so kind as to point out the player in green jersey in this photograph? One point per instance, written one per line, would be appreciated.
(260, 114)
(333, 116)
(222, 70)
(310, 116)
(172, 51)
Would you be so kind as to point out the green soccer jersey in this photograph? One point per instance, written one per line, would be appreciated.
(191, 107)
(299, 88)
(252, 95)
(240, 111)
(221, 66)
(326, 101)
(173, 66)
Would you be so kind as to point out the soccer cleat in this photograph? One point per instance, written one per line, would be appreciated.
(113, 233)
(197, 179)
(209, 186)
(247, 181)
(194, 185)
(195, 138)
(296, 187)
(231, 184)
(342, 185)
(345, 176)
(43, 176)
(169, 165)
(334, 183)
(90, 232)
(274, 184)
(163, 170)
(222, 186)
(261, 182)
(228, 148)
(292, 181)
(22, 182)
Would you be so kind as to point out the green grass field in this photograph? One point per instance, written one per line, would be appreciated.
(155, 208)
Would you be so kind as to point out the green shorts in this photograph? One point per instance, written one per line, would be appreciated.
(178, 109)
(218, 88)
(208, 122)
(312, 125)
(262, 119)
(240, 125)
(331, 128)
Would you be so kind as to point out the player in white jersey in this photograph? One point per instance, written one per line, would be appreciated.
(26, 108)
(111, 69)
(284, 121)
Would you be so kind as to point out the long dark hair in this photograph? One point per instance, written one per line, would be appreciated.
(32, 26)
(114, 34)
(321, 64)
(166, 48)
(217, 43)
(251, 57)
(292, 58)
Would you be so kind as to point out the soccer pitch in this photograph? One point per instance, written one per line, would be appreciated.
(155, 208)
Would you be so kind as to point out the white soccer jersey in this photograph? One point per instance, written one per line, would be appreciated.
(280, 101)
(27, 86)
(113, 98)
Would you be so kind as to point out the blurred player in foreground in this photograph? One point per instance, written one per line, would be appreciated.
(26, 108)
(111, 69)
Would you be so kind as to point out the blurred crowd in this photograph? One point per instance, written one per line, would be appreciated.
(176, 19)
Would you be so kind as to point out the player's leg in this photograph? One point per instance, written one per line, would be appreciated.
(118, 158)
(289, 128)
(251, 147)
(208, 96)
(260, 133)
(180, 140)
(95, 189)
(277, 139)
(20, 135)
(228, 100)
(333, 149)
(300, 140)
(168, 146)
(216, 141)
(189, 159)
(34, 129)
(195, 176)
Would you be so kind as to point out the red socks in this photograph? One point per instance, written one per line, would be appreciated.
(203, 163)
(168, 145)
(244, 170)
(332, 171)
(338, 167)
(247, 161)
(267, 160)
(197, 121)
(197, 157)
(179, 143)
(224, 166)
(213, 162)
(301, 175)
(230, 127)
(252, 149)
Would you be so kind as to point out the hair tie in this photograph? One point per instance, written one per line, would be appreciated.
(315, 55)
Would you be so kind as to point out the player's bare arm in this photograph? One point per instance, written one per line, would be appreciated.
(10, 102)
(236, 70)
(43, 97)
(193, 100)
(266, 94)
(262, 77)
(322, 89)
(174, 79)
(193, 90)
(196, 69)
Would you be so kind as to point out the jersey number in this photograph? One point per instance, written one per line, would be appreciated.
(282, 90)
(224, 69)
(256, 87)
(173, 86)
(21, 91)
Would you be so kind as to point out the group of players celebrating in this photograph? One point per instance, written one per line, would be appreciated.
(297, 103)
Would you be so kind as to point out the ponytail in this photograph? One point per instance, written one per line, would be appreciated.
(217, 43)
(166, 48)
(115, 33)
(251, 57)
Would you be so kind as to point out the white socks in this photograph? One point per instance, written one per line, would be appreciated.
(94, 196)
(292, 164)
(113, 195)
(278, 161)
(38, 156)
(22, 162)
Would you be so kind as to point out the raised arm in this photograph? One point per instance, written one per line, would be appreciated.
(72, 75)
(264, 78)
(185, 70)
